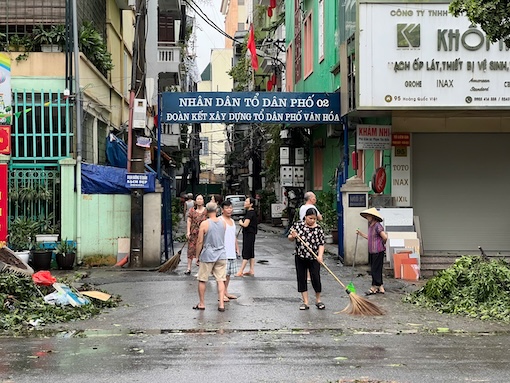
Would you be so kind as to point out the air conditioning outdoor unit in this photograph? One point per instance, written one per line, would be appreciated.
(139, 113)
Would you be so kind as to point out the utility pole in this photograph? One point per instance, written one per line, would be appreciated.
(136, 153)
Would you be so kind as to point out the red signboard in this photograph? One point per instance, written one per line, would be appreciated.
(5, 139)
(379, 180)
(400, 139)
(3, 202)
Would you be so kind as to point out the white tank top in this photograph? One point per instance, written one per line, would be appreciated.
(230, 240)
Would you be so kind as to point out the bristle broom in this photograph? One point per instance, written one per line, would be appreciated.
(173, 262)
(357, 305)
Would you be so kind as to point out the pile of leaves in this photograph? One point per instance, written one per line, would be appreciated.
(22, 303)
(473, 286)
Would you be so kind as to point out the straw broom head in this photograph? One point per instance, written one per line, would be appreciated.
(173, 262)
(361, 306)
(357, 305)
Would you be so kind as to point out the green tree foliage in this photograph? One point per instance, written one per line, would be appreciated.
(472, 287)
(493, 16)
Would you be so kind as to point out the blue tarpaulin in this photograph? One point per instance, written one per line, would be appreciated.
(116, 152)
(99, 179)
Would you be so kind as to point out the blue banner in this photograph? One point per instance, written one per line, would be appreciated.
(251, 107)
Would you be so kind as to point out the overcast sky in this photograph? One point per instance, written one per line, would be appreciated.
(207, 37)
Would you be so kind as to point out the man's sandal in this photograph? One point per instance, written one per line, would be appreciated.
(371, 292)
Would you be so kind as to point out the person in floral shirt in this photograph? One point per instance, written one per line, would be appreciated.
(313, 235)
(196, 216)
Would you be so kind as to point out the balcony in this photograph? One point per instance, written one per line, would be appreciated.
(169, 53)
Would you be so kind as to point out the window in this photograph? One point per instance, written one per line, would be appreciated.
(289, 85)
(321, 28)
(166, 28)
(308, 37)
(204, 146)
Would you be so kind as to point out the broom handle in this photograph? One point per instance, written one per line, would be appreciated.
(322, 263)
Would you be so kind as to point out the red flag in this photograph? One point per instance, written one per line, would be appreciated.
(253, 49)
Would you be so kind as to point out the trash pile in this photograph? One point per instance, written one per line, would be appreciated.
(28, 302)
(473, 286)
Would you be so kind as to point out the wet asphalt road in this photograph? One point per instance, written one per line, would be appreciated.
(155, 336)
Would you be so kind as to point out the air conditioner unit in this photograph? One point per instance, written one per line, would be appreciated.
(266, 65)
(139, 113)
(335, 130)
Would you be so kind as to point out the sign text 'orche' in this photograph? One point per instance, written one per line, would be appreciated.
(251, 107)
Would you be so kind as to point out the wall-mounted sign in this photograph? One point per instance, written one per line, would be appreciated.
(401, 139)
(417, 55)
(375, 137)
(5, 139)
(401, 175)
(137, 181)
(5, 90)
(251, 107)
(379, 180)
(3, 202)
(357, 200)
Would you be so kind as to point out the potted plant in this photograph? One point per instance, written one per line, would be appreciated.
(21, 235)
(65, 254)
(46, 230)
(41, 257)
(20, 43)
(94, 47)
(52, 39)
(326, 203)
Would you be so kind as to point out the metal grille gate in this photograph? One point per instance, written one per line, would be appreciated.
(41, 136)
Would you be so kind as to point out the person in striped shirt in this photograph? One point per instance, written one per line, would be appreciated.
(377, 238)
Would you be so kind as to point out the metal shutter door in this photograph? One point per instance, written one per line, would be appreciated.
(460, 188)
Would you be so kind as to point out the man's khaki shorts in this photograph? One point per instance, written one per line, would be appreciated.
(218, 270)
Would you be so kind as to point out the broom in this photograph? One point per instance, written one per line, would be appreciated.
(358, 305)
(173, 262)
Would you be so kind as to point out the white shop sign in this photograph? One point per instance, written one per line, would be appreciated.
(374, 137)
(401, 175)
(419, 56)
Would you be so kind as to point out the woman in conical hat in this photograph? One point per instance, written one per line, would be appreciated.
(377, 238)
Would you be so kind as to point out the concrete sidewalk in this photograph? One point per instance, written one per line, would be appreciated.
(268, 301)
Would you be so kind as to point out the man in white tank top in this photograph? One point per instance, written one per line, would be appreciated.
(231, 245)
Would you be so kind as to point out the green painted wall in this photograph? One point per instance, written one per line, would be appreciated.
(38, 84)
(104, 219)
(331, 155)
(321, 79)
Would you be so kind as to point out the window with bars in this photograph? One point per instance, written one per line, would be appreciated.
(42, 127)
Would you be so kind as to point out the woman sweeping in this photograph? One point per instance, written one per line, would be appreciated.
(313, 235)
(195, 217)
(377, 238)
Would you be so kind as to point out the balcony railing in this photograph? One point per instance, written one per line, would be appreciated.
(169, 53)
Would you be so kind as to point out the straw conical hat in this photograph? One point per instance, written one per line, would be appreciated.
(373, 212)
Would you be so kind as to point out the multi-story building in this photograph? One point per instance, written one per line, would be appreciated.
(213, 135)
(45, 95)
(442, 86)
